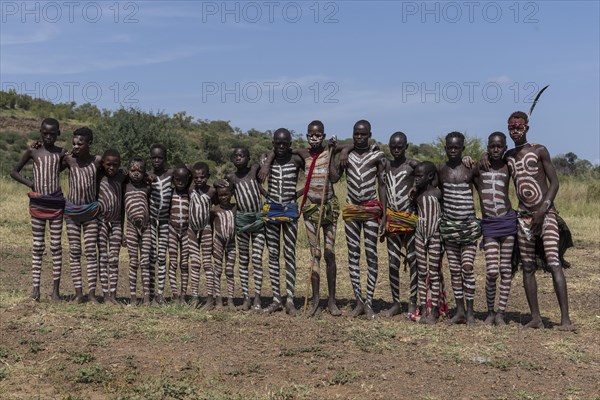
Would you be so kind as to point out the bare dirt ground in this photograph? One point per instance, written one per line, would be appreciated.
(176, 352)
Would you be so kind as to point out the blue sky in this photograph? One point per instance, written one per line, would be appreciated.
(423, 68)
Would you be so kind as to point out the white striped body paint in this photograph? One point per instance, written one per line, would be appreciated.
(159, 206)
(110, 234)
(428, 246)
(224, 246)
(179, 242)
(362, 187)
(399, 181)
(200, 239)
(282, 190)
(83, 189)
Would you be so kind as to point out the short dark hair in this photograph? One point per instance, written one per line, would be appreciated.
(159, 146)
(318, 123)
(363, 122)
(400, 135)
(284, 132)
(519, 114)
(427, 166)
(455, 135)
(111, 153)
(137, 159)
(201, 166)
(85, 132)
(51, 122)
(499, 134)
(243, 149)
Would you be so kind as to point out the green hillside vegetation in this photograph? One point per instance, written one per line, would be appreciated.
(132, 131)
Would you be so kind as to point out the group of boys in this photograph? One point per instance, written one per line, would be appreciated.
(426, 210)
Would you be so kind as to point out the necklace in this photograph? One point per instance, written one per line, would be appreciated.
(521, 145)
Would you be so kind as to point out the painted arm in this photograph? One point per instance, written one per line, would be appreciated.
(382, 193)
(538, 216)
(266, 161)
(16, 172)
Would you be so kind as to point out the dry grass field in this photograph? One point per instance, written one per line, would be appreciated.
(70, 351)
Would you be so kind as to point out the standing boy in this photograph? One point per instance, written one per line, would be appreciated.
(46, 203)
(460, 228)
(401, 221)
(536, 183)
(281, 215)
(81, 210)
(365, 178)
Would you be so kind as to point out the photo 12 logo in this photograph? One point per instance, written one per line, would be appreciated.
(252, 12)
(471, 92)
(69, 11)
(79, 92)
(255, 92)
(452, 12)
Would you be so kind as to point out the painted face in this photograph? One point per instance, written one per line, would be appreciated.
(200, 177)
(137, 170)
(111, 165)
(496, 147)
(180, 180)
(454, 148)
(81, 146)
(421, 177)
(281, 145)
(360, 136)
(157, 157)
(517, 127)
(240, 158)
(49, 134)
(398, 146)
(315, 136)
(224, 195)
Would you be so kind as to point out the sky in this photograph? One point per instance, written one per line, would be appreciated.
(424, 68)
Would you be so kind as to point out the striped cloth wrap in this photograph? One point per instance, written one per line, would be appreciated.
(367, 211)
(275, 213)
(331, 212)
(46, 206)
(399, 222)
(82, 213)
(248, 222)
(460, 232)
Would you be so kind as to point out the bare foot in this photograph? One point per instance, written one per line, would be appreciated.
(110, 299)
(369, 312)
(246, 304)
(218, 303)
(55, 297)
(79, 296)
(459, 318)
(535, 323)
(56, 291)
(146, 300)
(290, 308)
(274, 307)
(423, 314)
(333, 308)
(256, 306)
(566, 327)
(133, 301)
(490, 319)
(314, 310)
(92, 297)
(210, 304)
(230, 304)
(412, 307)
(359, 309)
(395, 309)
(158, 300)
(432, 319)
(499, 320)
(35, 294)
